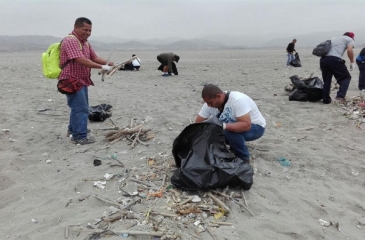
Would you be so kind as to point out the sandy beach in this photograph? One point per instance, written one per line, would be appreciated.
(39, 199)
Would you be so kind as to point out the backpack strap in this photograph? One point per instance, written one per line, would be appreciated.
(224, 103)
(71, 60)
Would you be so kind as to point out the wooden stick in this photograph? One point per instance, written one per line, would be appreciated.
(146, 184)
(219, 202)
(115, 125)
(136, 137)
(212, 233)
(164, 214)
(110, 202)
(120, 232)
(186, 201)
(141, 142)
(131, 123)
(235, 201)
(244, 198)
(223, 223)
(59, 219)
(163, 179)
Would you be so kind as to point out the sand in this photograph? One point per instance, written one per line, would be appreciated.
(324, 181)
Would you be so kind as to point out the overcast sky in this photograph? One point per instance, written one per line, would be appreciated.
(145, 19)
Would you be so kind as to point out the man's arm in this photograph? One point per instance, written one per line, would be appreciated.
(350, 53)
(243, 124)
(96, 63)
(199, 119)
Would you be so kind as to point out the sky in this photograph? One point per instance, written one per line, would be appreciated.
(147, 19)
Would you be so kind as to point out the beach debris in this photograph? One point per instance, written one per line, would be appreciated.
(13, 140)
(6, 130)
(97, 162)
(324, 223)
(352, 109)
(100, 184)
(34, 220)
(284, 162)
(134, 134)
(108, 176)
(48, 161)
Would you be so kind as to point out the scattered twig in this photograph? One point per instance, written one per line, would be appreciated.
(110, 202)
(235, 201)
(219, 202)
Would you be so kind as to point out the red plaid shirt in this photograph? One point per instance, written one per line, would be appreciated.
(72, 48)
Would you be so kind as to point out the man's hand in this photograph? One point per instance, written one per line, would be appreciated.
(106, 68)
(352, 66)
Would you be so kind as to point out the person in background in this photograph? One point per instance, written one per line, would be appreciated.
(360, 61)
(133, 64)
(332, 64)
(241, 119)
(167, 62)
(80, 63)
(136, 63)
(290, 52)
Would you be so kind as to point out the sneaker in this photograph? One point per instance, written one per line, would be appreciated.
(83, 141)
(166, 74)
(69, 134)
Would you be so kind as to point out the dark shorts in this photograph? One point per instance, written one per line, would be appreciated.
(161, 61)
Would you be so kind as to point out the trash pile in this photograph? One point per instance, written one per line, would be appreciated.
(144, 204)
(353, 109)
(305, 89)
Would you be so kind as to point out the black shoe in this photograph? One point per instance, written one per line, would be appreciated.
(83, 141)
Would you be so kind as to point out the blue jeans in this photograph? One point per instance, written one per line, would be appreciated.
(361, 65)
(79, 104)
(237, 141)
(291, 57)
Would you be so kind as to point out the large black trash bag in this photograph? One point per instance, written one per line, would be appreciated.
(100, 112)
(296, 61)
(204, 161)
(306, 90)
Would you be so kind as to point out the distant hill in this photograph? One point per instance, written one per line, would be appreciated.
(218, 41)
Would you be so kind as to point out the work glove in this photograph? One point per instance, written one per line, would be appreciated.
(106, 67)
(352, 66)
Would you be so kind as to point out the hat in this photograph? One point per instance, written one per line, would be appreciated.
(177, 58)
(350, 34)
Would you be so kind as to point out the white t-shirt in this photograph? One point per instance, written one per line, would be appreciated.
(136, 62)
(238, 104)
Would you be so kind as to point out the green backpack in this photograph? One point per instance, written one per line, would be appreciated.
(51, 60)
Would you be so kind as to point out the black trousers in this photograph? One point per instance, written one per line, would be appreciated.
(361, 65)
(334, 66)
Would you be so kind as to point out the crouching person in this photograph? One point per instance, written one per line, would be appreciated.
(242, 120)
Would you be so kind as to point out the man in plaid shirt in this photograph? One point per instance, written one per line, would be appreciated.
(78, 57)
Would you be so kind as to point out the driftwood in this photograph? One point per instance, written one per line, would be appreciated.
(133, 134)
(116, 66)
(119, 232)
(235, 201)
(219, 202)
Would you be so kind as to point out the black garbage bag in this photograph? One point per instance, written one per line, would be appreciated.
(306, 90)
(296, 61)
(100, 112)
(204, 162)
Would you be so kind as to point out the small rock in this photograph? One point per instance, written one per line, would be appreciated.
(48, 161)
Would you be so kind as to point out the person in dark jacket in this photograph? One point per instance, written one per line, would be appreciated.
(291, 51)
(167, 62)
(360, 61)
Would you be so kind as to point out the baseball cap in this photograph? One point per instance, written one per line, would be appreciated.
(350, 34)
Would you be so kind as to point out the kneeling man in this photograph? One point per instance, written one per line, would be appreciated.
(241, 119)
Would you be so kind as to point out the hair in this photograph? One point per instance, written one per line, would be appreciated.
(133, 55)
(210, 91)
(80, 21)
(294, 39)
